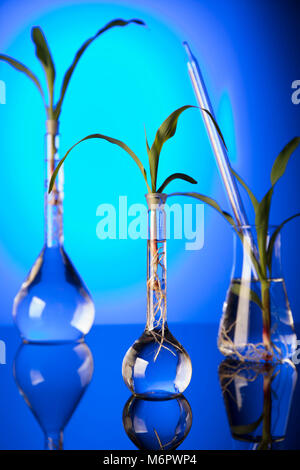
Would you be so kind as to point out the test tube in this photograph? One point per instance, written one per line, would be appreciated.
(217, 144)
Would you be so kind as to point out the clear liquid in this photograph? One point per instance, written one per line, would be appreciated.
(156, 368)
(240, 333)
(53, 304)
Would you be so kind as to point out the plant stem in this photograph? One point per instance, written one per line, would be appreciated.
(266, 311)
(266, 439)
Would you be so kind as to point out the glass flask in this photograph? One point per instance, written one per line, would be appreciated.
(53, 304)
(257, 323)
(157, 425)
(257, 398)
(156, 366)
(52, 379)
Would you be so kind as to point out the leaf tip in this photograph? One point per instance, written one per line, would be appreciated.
(34, 30)
(138, 21)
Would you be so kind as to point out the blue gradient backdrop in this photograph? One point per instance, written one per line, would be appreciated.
(130, 77)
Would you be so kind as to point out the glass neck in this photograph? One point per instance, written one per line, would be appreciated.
(54, 441)
(156, 263)
(54, 200)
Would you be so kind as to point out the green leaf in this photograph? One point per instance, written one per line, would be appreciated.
(249, 192)
(164, 133)
(109, 139)
(262, 223)
(174, 176)
(263, 210)
(44, 55)
(273, 239)
(149, 154)
(235, 288)
(22, 68)
(216, 126)
(85, 45)
(282, 160)
(243, 429)
(211, 202)
(147, 145)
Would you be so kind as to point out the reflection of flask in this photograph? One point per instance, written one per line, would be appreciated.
(53, 304)
(52, 380)
(157, 366)
(159, 424)
(257, 398)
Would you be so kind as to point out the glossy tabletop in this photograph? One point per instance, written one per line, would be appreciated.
(80, 388)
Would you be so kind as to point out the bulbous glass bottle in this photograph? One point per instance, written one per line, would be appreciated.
(156, 366)
(157, 425)
(53, 304)
(52, 378)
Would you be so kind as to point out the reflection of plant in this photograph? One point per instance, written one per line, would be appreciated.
(44, 56)
(231, 373)
(260, 255)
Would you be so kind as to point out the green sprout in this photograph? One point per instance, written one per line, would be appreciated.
(156, 253)
(260, 255)
(44, 56)
(164, 133)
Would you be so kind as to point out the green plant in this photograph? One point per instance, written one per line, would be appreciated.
(164, 133)
(156, 251)
(45, 58)
(261, 255)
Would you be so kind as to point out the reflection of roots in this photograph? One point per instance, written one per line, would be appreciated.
(245, 372)
(161, 445)
(53, 444)
(250, 351)
(237, 370)
(159, 309)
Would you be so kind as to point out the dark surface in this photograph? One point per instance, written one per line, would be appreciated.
(97, 421)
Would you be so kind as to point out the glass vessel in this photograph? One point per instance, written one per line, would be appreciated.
(53, 304)
(257, 323)
(156, 366)
(257, 398)
(157, 425)
(52, 380)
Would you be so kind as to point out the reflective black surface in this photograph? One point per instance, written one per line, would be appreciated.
(83, 415)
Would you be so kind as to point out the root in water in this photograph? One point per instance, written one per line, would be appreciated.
(251, 352)
(157, 315)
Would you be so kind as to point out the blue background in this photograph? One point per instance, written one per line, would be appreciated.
(129, 77)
